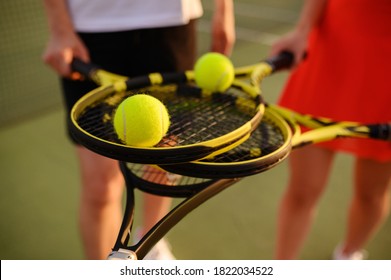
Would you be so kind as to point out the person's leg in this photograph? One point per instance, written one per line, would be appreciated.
(101, 203)
(164, 50)
(369, 206)
(309, 170)
(154, 207)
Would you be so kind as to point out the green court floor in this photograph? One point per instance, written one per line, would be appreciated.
(40, 183)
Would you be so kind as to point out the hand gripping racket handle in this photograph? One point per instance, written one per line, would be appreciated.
(83, 68)
(283, 60)
(89, 70)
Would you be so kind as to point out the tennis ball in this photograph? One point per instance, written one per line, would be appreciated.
(141, 120)
(214, 72)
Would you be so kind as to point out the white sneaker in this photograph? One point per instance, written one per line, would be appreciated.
(358, 255)
(161, 251)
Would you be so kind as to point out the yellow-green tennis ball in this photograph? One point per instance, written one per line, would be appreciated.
(141, 120)
(214, 72)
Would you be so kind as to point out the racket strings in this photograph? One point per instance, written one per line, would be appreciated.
(97, 120)
(267, 146)
(194, 117)
(205, 121)
(267, 138)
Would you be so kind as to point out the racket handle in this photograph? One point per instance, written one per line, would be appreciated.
(380, 131)
(156, 79)
(82, 67)
(283, 60)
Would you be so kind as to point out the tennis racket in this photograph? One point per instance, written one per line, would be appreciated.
(278, 122)
(280, 131)
(151, 179)
(325, 129)
(202, 124)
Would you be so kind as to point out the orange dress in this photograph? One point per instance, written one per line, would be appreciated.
(347, 73)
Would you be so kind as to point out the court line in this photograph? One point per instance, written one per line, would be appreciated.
(259, 11)
(285, 16)
(264, 12)
(242, 33)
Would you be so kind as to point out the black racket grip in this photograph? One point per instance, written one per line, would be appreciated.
(380, 131)
(283, 60)
(82, 67)
(167, 78)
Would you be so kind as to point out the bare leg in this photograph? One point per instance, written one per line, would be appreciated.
(154, 207)
(370, 203)
(309, 169)
(101, 204)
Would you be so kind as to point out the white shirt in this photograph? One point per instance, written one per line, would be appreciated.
(119, 15)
